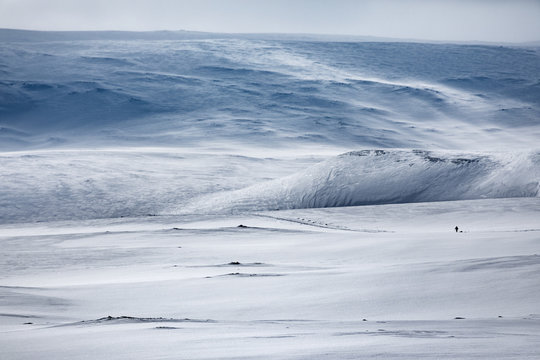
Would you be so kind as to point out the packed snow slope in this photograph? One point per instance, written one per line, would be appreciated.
(57, 91)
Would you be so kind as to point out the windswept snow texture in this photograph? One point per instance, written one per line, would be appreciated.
(89, 184)
(385, 176)
(138, 180)
(77, 118)
(266, 92)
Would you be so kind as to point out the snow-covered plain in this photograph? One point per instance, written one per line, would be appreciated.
(128, 165)
(294, 284)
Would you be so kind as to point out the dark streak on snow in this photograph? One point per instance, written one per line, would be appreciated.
(232, 263)
(322, 225)
(238, 274)
(399, 333)
(133, 319)
(20, 316)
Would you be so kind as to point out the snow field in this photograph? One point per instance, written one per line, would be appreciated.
(291, 284)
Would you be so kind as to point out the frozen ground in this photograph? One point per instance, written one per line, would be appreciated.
(293, 284)
(127, 166)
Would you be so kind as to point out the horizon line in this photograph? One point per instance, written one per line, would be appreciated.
(350, 37)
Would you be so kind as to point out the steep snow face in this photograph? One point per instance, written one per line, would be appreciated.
(382, 176)
(267, 92)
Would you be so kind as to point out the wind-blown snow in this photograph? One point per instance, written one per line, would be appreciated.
(226, 95)
(139, 173)
(86, 184)
(266, 93)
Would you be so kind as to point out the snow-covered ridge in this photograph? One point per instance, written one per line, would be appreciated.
(384, 177)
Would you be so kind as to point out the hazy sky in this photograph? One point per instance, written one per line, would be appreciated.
(488, 20)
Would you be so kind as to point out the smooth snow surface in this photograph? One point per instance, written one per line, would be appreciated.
(291, 284)
(140, 183)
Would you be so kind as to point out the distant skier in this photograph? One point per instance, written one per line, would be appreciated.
(456, 228)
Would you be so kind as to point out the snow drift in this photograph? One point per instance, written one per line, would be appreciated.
(384, 177)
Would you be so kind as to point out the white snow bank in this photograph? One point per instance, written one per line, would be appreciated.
(384, 177)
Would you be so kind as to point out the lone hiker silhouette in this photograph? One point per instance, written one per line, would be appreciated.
(456, 228)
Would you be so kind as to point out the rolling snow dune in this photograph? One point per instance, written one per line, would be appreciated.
(386, 176)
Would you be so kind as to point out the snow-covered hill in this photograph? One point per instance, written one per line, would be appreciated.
(384, 176)
(85, 184)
